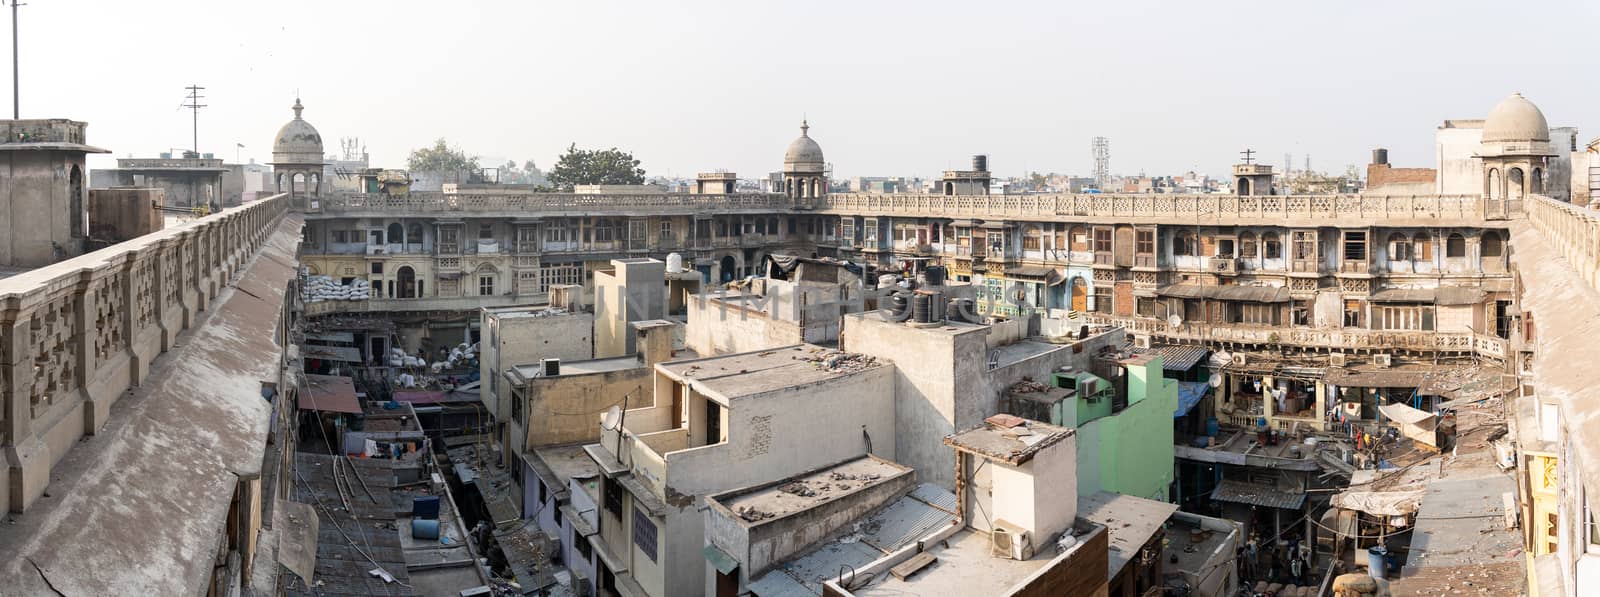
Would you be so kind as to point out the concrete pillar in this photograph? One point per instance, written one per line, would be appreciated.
(654, 340)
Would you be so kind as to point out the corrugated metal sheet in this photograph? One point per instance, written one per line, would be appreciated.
(1181, 358)
(1255, 494)
(1448, 296)
(909, 518)
(1258, 294)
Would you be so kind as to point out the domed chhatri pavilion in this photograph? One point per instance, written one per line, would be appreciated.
(1516, 150)
(297, 158)
(804, 170)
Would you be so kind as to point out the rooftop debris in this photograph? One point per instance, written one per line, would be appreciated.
(1027, 386)
(752, 514)
(836, 361)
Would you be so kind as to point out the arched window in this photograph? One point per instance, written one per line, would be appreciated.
(1271, 247)
(1399, 247)
(772, 225)
(1514, 183)
(1494, 184)
(1247, 245)
(949, 188)
(408, 282)
(414, 233)
(1456, 245)
(1421, 247)
(1244, 187)
(1493, 245)
(1536, 184)
(78, 217)
(1183, 243)
(397, 234)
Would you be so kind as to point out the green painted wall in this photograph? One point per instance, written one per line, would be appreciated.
(1131, 452)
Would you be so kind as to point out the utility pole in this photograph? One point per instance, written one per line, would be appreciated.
(195, 105)
(16, 80)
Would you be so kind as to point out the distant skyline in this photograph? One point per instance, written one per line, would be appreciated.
(890, 89)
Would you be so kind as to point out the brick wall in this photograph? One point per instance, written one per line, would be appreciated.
(1379, 175)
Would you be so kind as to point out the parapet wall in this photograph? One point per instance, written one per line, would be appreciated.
(1424, 209)
(74, 336)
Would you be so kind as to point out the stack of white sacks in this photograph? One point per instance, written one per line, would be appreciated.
(324, 288)
(459, 356)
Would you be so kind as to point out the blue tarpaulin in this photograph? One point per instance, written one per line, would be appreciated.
(1189, 394)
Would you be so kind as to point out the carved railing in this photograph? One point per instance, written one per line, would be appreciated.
(77, 334)
(1178, 208)
(1573, 230)
(550, 202)
(1332, 339)
(1186, 208)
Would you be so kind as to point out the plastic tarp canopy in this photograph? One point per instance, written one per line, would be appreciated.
(1415, 424)
(1380, 503)
(1189, 394)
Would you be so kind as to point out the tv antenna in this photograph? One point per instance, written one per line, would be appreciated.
(195, 105)
(1249, 155)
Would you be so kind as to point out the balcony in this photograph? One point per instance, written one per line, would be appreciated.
(1311, 338)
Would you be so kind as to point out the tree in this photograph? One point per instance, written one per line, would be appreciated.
(595, 166)
(446, 161)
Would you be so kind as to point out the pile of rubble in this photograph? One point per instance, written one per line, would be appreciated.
(1027, 386)
(753, 515)
(316, 289)
(836, 361)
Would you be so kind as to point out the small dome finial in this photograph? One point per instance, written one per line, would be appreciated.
(804, 127)
(297, 107)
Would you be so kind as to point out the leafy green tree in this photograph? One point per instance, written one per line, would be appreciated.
(595, 166)
(442, 159)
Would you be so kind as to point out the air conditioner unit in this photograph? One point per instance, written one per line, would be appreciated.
(1008, 541)
(1142, 342)
(1238, 359)
(1383, 360)
(580, 584)
(1338, 359)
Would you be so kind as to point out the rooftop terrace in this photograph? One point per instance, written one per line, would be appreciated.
(752, 373)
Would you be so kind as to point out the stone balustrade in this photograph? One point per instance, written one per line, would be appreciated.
(1573, 230)
(1182, 209)
(1438, 210)
(74, 336)
(544, 203)
(1334, 339)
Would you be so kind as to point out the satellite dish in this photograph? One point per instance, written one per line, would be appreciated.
(1174, 320)
(611, 417)
(1215, 380)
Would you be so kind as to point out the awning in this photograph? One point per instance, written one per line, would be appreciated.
(1258, 294)
(579, 525)
(724, 563)
(1030, 271)
(998, 225)
(348, 354)
(1415, 424)
(1256, 494)
(1380, 503)
(329, 393)
(642, 497)
(1189, 394)
(1448, 296)
(962, 223)
(1182, 358)
(337, 337)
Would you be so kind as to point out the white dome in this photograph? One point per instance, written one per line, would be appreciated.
(804, 155)
(1515, 119)
(297, 142)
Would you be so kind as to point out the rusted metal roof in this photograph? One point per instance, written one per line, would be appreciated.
(351, 529)
(1258, 294)
(1181, 358)
(1448, 296)
(329, 393)
(1256, 494)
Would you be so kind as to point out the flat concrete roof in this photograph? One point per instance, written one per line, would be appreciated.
(782, 498)
(964, 567)
(557, 464)
(586, 366)
(1013, 444)
(1130, 522)
(751, 373)
(528, 311)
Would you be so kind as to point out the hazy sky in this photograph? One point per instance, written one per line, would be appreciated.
(891, 88)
